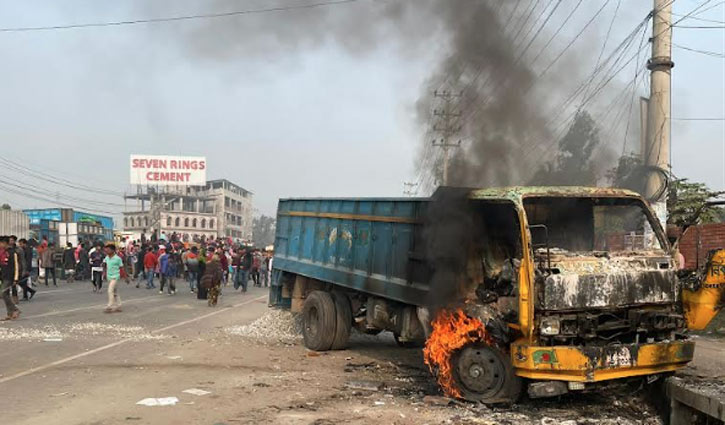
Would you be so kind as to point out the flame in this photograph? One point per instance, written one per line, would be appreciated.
(452, 330)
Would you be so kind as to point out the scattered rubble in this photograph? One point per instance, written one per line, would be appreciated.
(274, 327)
(52, 333)
(365, 385)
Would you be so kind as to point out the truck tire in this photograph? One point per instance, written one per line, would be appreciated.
(343, 319)
(318, 321)
(485, 374)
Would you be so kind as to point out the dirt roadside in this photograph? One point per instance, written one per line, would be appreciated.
(257, 371)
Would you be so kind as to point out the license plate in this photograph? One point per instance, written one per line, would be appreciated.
(617, 357)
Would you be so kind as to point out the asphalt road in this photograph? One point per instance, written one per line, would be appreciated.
(67, 362)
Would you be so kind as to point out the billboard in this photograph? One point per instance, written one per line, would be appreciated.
(168, 170)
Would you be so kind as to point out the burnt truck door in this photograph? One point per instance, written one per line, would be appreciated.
(496, 256)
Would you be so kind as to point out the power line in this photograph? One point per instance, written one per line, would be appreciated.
(703, 52)
(700, 27)
(548, 67)
(471, 109)
(25, 194)
(55, 179)
(691, 14)
(695, 18)
(180, 18)
(558, 30)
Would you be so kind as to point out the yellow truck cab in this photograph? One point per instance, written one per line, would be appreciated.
(598, 294)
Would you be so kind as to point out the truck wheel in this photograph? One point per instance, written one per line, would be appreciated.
(343, 319)
(318, 321)
(485, 374)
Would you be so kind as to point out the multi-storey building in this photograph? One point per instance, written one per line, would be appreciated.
(220, 208)
(234, 209)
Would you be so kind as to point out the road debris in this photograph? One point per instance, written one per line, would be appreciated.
(196, 391)
(435, 400)
(273, 327)
(76, 331)
(365, 385)
(154, 402)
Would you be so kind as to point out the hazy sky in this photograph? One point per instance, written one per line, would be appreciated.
(294, 119)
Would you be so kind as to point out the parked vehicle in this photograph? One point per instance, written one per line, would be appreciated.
(559, 288)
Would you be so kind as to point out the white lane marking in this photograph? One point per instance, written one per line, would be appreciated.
(123, 341)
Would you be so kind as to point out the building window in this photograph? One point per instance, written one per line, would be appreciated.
(132, 222)
(146, 221)
(177, 222)
(203, 223)
(211, 224)
(186, 222)
(125, 222)
(168, 221)
(193, 223)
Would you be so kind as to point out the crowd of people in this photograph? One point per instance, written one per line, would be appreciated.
(206, 267)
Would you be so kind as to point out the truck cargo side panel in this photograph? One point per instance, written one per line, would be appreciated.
(361, 244)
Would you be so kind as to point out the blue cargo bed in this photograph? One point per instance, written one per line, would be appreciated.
(372, 245)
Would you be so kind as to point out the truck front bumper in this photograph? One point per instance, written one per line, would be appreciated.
(594, 364)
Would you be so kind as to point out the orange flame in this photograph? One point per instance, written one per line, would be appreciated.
(452, 330)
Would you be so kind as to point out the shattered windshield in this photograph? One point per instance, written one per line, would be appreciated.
(591, 224)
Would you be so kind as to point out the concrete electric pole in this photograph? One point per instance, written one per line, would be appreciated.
(657, 152)
(447, 127)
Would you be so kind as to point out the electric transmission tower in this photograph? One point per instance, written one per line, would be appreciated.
(447, 126)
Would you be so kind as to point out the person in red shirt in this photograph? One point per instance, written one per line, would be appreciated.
(150, 260)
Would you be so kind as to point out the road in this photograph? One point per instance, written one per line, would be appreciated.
(66, 362)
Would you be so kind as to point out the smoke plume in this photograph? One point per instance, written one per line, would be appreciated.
(501, 108)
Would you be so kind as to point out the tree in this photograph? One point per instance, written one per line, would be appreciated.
(572, 165)
(263, 229)
(628, 174)
(686, 198)
(5, 207)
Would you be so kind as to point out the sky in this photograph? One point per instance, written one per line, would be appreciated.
(290, 117)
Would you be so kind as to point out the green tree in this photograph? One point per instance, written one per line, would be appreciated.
(5, 207)
(628, 174)
(263, 229)
(686, 198)
(572, 165)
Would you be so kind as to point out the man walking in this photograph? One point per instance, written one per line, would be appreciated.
(47, 262)
(113, 265)
(8, 277)
(192, 267)
(69, 262)
(245, 264)
(84, 262)
(26, 263)
(166, 271)
(14, 250)
(149, 264)
(96, 263)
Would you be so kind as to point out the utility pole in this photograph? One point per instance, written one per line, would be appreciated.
(447, 126)
(657, 153)
(409, 189)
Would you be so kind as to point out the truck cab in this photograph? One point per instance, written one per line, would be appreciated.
(596, 288)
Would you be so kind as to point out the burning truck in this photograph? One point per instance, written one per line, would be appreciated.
(545, 289)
